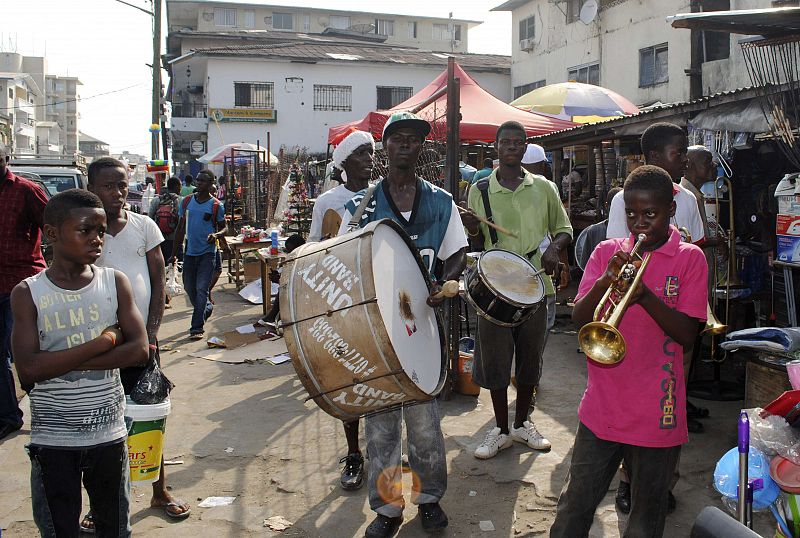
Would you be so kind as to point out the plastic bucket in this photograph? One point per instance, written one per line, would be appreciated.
(464, 383)
(146, 439)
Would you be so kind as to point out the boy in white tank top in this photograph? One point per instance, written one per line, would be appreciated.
(88, 327)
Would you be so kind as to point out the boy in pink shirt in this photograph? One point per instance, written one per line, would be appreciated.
(636, 410)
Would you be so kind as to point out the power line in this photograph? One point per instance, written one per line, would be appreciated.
(78, 99)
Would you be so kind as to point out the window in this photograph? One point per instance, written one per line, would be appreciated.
(519, 91)
(306, 23)
(282, 21)
(339, 21)
(527, 28)
(328, 97)
(412, 30)
(253, 94)
(441, 32)
(457, 32)
(11, 93)
(588, 74)
(653, 65)
(249, 18)
(390, 96)
(384, 27)
(716, 46)
(224, 17)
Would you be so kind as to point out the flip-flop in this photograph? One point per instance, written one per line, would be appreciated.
(85, 529)
(176, 504)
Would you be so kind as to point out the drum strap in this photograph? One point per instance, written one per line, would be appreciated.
(483, 186)
(353, 224)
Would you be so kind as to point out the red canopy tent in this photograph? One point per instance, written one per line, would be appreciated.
(481, 113)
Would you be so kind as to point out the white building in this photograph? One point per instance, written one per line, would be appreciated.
(38, 112)
(193, 20)
(62, 108)
(297, 88)
(626, 46)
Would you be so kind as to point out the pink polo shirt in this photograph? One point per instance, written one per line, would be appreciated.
(642, 400)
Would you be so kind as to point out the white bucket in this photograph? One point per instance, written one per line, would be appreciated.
(146, 439)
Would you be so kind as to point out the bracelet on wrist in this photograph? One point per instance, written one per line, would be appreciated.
(470, 234)
(112, 337)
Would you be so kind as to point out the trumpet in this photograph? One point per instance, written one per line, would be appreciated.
(600, 339)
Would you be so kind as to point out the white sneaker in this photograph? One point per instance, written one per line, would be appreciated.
(529, 435)
(494, 442)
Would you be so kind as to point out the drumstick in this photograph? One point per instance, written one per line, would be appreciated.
(449, 289)
(489, 223)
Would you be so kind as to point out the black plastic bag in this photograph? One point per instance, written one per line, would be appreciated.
(152, 387)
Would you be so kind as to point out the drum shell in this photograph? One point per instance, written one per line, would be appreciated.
(344, 381)
(491, 306)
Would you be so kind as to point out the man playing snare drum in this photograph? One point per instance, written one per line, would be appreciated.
(431, 219)
(528, 206)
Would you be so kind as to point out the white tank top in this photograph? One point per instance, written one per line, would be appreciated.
(82, 408)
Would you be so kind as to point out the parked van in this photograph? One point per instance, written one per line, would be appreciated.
(58, 173)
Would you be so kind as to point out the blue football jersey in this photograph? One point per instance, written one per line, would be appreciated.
(430, 216)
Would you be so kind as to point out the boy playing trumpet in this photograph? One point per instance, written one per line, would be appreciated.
(635, 411)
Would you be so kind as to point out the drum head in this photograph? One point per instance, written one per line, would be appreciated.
(511, 277)
(411, 324)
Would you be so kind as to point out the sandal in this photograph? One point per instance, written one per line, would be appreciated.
(87, 524)
(171, 509)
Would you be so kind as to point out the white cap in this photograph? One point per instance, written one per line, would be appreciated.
(346, 147)
(534, 153)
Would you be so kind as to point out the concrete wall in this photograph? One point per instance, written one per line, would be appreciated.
(614, 39)
(298, 124)
(305, 20)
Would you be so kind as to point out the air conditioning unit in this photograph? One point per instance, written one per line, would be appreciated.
(526, 44)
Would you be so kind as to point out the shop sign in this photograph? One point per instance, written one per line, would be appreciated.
(263, 115)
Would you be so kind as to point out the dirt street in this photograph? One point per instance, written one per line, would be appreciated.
(245, 431)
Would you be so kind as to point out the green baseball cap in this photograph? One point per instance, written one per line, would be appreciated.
(405, 119)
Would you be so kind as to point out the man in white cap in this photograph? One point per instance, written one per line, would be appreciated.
(535, 161)
(354, 156)
(358, 149)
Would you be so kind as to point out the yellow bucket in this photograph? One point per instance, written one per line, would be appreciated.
(146, 439)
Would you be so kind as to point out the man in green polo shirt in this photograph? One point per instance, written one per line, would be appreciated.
(527, 205)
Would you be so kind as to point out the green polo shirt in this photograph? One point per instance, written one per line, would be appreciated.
(532, 211)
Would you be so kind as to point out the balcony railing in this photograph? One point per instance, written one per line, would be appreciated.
(189, 110)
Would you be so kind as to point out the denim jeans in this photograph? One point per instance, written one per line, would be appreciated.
(594, 463)
(197, 271)
(56, 489)
(10, 412)
(426, 457)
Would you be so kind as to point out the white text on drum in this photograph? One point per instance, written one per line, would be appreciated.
(330, 286)
(368, 397)
(339, 349)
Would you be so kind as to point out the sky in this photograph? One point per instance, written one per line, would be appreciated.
(109, 45)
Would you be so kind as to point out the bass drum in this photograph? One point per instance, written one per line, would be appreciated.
(504, 288)
(357, 326)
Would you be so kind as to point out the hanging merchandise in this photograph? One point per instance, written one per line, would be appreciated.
(297, 216)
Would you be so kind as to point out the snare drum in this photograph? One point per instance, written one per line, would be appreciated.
(357, 326)
(504, 288)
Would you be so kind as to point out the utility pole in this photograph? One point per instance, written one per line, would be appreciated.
(156, 112)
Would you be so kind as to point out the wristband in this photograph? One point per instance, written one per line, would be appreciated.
(112, 336)
(153, 347)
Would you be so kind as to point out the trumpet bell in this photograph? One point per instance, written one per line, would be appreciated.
(602, 342)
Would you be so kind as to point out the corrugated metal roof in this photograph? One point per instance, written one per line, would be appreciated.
(766, 22)
(655, 113)
(510, 5)
(328, 51)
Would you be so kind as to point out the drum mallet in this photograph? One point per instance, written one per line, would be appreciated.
(488, 223)
(449, 289)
